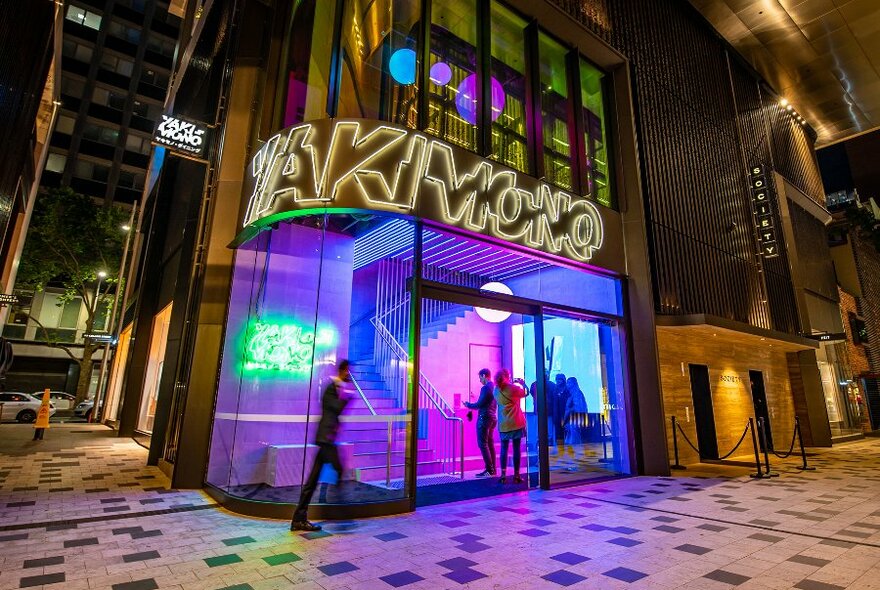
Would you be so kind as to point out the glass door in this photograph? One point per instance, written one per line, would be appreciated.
(464, 348)
(587, 423)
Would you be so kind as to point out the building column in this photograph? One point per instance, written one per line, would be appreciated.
(809, 398)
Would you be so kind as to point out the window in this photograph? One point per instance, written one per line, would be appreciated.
(123, 32)
(308, 62)
(91, 171)
(72, 87)
(133, 180)
(135, 143)
(108, 98)
(558, 152)
(379, 61)
(65, 124)
(858, 329)
(549, 119)
(116, 64)
(56, 162)
(597, 176)
(77, 51)
(84, 17)
(155, 78)
(160, 46)
(101, 134)
(14, 397)
(508, 89)
(453, 104)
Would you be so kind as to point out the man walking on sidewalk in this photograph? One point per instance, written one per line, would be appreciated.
(333, 402)
(487, 420)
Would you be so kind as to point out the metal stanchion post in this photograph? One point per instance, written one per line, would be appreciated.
(797, 426)
(760, 472)
(761, 426)
(677, 465)
(604, 458)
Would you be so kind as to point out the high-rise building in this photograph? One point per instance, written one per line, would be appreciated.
(27, 91)
(116, 60)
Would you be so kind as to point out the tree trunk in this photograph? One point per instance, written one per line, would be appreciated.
(85, 374)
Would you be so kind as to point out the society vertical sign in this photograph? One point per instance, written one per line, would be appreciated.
(763, 211)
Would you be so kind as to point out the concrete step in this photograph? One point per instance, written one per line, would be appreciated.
(398, 471)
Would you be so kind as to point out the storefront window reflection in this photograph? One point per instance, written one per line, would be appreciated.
(508, 89)
(308, 61)
(380, 76)
(453, 99)
(558, 150)
(598, 178)
(155, 363)
(379, 60)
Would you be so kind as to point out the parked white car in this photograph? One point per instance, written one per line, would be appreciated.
(60, 399)
(21, 407)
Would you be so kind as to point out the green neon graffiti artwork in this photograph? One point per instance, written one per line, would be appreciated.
(288, 348)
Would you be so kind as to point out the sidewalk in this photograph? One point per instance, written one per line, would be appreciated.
(81, 511)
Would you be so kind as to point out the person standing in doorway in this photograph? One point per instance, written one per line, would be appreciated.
(511, 422)
(487, 419)
(560, 403)
(333, 402)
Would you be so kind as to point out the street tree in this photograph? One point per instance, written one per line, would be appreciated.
(74, 243)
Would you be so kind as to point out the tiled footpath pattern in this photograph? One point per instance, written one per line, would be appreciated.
(79, 511)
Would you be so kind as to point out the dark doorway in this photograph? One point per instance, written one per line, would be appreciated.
(759, 399)
(707, 440)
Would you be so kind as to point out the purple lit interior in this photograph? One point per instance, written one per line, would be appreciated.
(343, 277)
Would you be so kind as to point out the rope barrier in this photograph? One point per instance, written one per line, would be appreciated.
(741, 439)
(687, 440)
(790, 449)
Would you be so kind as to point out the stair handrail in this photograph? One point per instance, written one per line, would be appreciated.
(361, 393)
(395, 307)
(403, 356)
(425, 385)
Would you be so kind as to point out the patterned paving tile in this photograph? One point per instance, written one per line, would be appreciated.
(146, 546)
(570, 558)
(42, 580)
(564, 578)
(625, 574)
(334, 569)
(464, 575)
(400, 579)
(726, 577)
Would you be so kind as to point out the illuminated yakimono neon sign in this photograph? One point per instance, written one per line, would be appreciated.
(288, 348)
(366, 164)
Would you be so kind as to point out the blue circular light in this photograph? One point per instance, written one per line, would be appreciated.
(403, 66)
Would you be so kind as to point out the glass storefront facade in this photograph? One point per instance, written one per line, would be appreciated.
(324, 287)
(419, 303)
(841, 393)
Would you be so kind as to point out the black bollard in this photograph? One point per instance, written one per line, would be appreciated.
(760, 472)
(677, 465)
(761, 426)
(805, 467)
(604, 458)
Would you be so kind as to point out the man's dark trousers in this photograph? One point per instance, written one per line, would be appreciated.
(485, 429)
(327, 453)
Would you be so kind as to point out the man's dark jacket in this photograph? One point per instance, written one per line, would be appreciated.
(331, 407)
